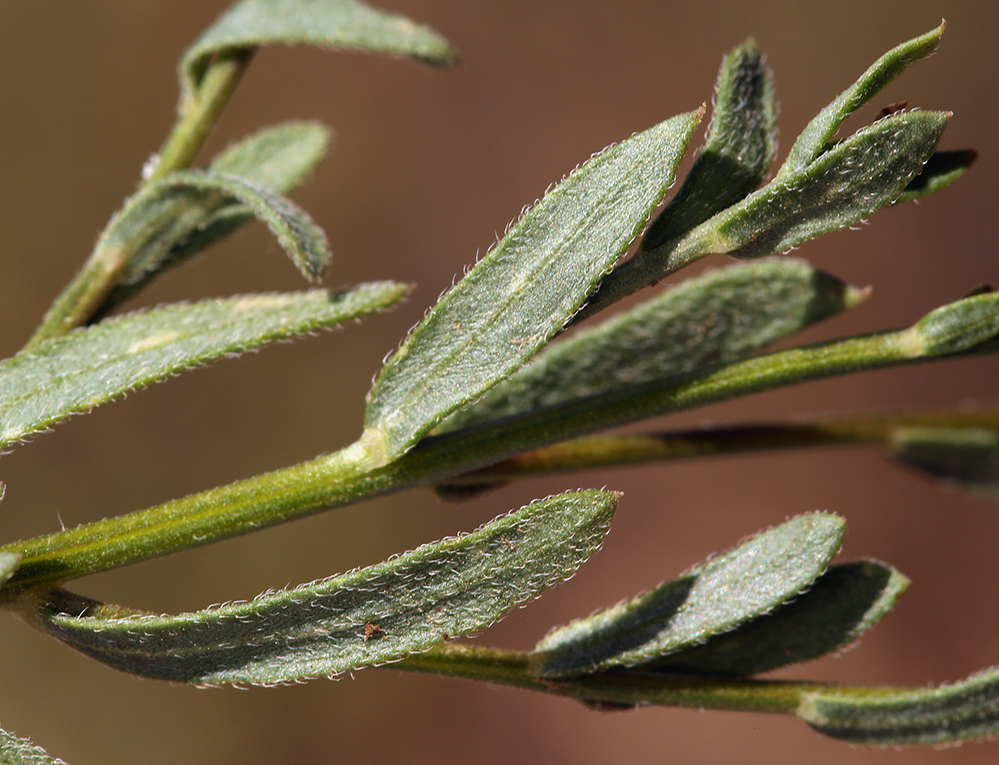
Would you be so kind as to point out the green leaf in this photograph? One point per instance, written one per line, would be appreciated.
(740, 146)
(814, 139)
(846, 601)
(939, 172)
(324, 23)
(19, 751)
(886, 717)
(278, 159)
(967, 455)
(716, 597)
(370, 616)
(525, 290)
(713, 319)
(958, 326)
(165, 213)
(92, 366)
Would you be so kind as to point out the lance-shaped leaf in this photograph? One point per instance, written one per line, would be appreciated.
(278, 159)
(846, 601)
(19, 751)
(713, 319)
(366, 617)
(525, 290)
(962, 711)
(325, 23)
(92, 366)
(939, 172)
(753, 579)
(815, 138)
(740, 146)
(164, 213)
(968, 456)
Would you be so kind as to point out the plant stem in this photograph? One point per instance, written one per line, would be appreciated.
(84, 295)
(348, 476)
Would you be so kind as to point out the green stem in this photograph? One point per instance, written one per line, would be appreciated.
(633, 449)
(348, 477)
(84, 295)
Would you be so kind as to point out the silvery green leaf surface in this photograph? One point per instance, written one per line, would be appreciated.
(525, 290)
(278, 159)
(92, 366)
(846, 601)
(715, 318)
(740, 146)
(815, 138)
(325, 23)
(726, 591)
(939, 172)
(369, 616)
(19, 751)
(961, 711)
(966, 456)
(959, 326)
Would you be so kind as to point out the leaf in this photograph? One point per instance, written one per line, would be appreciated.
(19, 751)
(278, 159)
(814, 139)
(164, 213)
(92, 366)
(846, 601)
(740, 146)
(939, 172)
(726, 591)
(959, 712)
(8, 565)
(369, 616)
(713, 319)
(967, 456)
(525, 290)
(324, 23)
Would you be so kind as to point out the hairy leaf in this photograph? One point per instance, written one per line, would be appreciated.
(325, 23)
(277, 159)
(370, 616)
(939, 172)
(92, 366)
(713, 319)
(815, 138)
(845, 602)
(959, 712)
(19, 751)
(726, 591)
(525, 290)
(967, 456)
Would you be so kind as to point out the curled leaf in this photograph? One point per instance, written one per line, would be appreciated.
(719, 595)
(370, 616)
(525, 290)
(92, 366)
(939, 172)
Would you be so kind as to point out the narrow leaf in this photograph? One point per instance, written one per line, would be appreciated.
(370, 616)
(846, 601)
(521, 294)
(815, 138)
(713, 319)
(19, 751)
(726, 591)
(324, 23)
(939, 172)
(966, 456)
(277, 159)
(740, 146)
(92, 366)
(886, 717)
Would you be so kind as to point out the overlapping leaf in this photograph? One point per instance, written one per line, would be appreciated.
(19, 751)
(370, 616)
(325, 23)
(729, 590)
(967, 456)
(525, 290)
(713, 319)
(92, 366)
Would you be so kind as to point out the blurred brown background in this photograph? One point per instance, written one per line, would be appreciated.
(427, 166)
